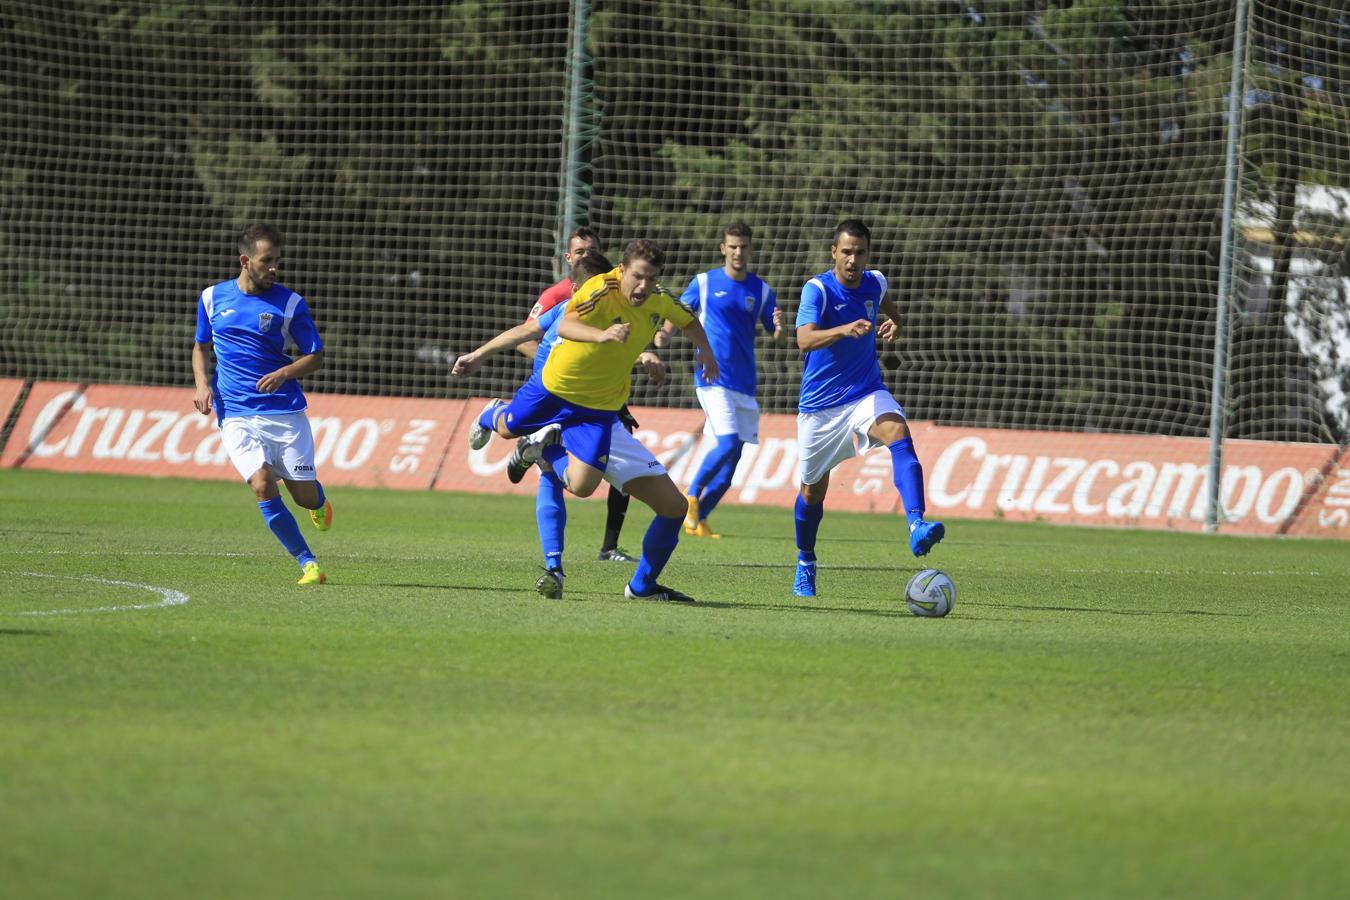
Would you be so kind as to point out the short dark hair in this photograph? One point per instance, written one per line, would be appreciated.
(249, 237)
(586, 233)
(736, 229)
(854, 227)
(641, 248)
(591, 263)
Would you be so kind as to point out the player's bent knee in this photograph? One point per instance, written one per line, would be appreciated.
(263, 483)
(888, 429)
(661, 494)
(814, 494)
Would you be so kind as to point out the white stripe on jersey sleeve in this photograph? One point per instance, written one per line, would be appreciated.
(291, 303)
(209, 301)
(702, 279)
(884, 284)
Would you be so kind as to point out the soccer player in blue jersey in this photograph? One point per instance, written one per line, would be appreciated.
(731, 303)
(845, 408)
(550, 512)
(255, 388)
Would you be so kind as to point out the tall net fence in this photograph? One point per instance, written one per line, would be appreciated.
(1044, 181)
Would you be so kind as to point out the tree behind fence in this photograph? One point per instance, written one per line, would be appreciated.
(1043, 179)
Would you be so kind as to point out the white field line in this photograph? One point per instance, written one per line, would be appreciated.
(167, 596)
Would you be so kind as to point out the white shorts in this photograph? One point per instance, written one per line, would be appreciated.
(282, 440)
(827, 437)
(730, 412)
(629, 458)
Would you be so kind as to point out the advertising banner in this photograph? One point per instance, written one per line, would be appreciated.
(1070, 478)
(361, 441)
(1121, 481)
(9, 392)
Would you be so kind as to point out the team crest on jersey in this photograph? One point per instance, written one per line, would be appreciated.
(749, 303)
(264, 322)
(656, 319)
(868, 307)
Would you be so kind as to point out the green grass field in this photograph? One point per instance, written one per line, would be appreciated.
(1104, 714)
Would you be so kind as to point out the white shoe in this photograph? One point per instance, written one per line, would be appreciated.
(478, 435)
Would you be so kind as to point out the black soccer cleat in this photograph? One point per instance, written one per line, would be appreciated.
(528, 452)
(550, 584)
(661, 594)
(616, 555)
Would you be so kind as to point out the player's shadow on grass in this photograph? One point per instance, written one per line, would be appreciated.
(1110, 612)
(441, 587)
(25, 632)
(789, 568)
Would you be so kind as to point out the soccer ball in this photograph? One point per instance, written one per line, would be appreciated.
(930, 593)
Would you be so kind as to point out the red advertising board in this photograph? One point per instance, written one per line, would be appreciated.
(9, 392)
(1069, 478)
(362, 441)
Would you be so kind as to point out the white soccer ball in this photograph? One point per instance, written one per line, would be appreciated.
(930, 593)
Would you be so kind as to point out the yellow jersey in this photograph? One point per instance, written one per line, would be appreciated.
(600, 376)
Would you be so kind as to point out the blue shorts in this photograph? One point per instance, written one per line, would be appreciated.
(585, 431)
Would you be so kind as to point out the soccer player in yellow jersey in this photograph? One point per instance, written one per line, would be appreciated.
(585, 382)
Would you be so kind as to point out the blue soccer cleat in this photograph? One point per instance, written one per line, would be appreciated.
(924, 536)
(804, 585)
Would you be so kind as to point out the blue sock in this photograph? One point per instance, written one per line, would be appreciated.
(657, 545)
(908, 476)
(712, 464)
(808, 523)
(556, 456)
(488, 417)
(282, 523)
(720, 484)
(551, 515)
(323, 498)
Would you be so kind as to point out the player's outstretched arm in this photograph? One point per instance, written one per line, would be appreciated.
(889, 330)
(201, 374)
(511, 337)
(305, 365)
(571, 328)
(662, 336)
(694, 331)
(653, 366)
(811, 337)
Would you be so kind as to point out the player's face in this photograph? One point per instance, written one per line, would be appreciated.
(261, 268)
(637, 280)
(736, 254)
(850, 259)
(576, 249)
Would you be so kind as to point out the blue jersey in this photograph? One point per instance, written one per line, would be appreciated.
(250, 335)
(728, 310)
(847, 369)
(548, 320)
